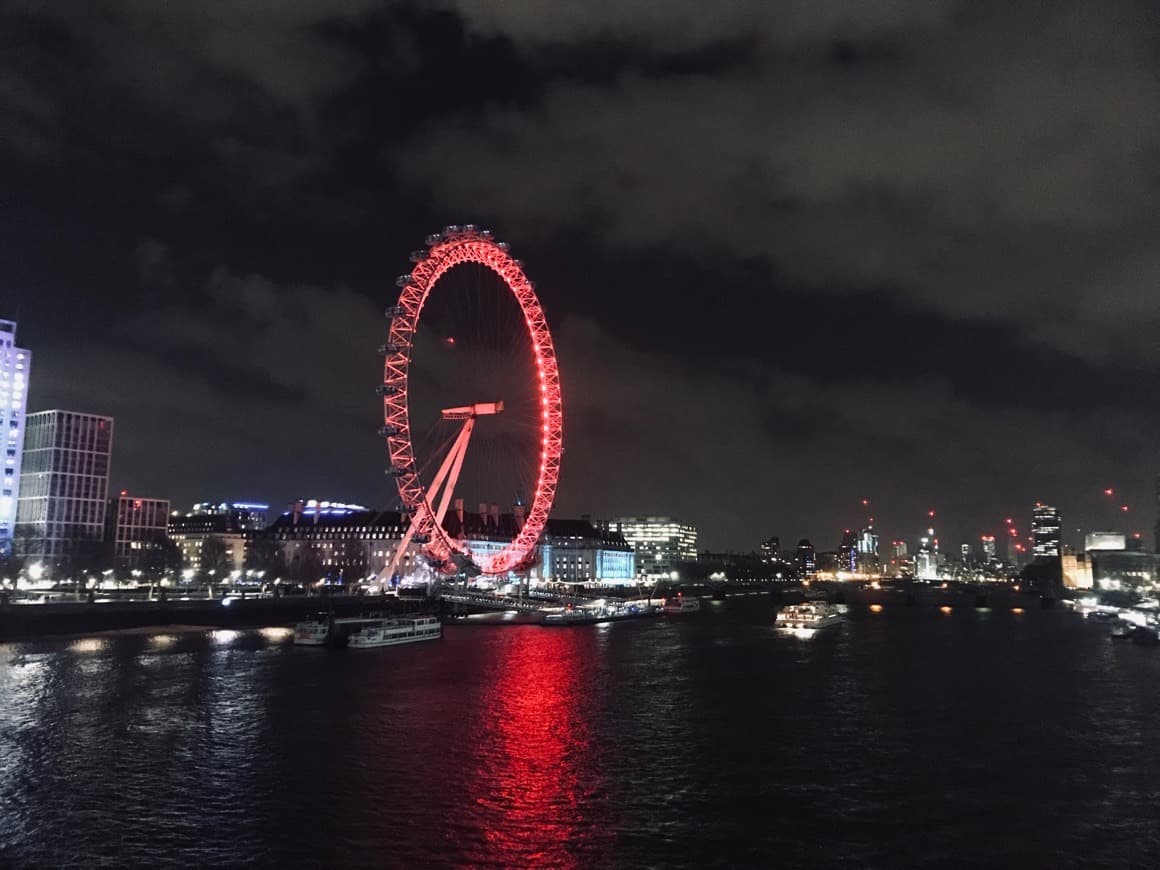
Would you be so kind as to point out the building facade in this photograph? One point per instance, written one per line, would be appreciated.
(15, 365)
(233, 523)
(576, 551)
(137, 530)
(926, 557)
(64, 487)
(320, 541)
(660, 544)
(1045, 532)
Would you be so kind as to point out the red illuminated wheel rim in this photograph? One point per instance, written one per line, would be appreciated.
(456, 245)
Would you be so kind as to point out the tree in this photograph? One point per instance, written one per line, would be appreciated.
(265, 554)
(216, 563)
(88, 553)
(306, 566)
(163, 557)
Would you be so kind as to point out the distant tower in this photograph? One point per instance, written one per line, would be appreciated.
(806, 557)
(1045, 526)
(770, 549)
(926, 559)
(15, 363)
(988, 542)
(848, 552)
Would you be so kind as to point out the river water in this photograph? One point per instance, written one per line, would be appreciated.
(906, 737)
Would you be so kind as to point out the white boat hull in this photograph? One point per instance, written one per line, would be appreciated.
(394, 633)
(799, 624)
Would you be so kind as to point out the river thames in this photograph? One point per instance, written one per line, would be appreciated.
(906, 737)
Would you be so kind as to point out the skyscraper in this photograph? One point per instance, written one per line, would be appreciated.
(64, 484)
(926, 559)
(1045, 535)
(807, 559)
(988, 548)
(15, 363)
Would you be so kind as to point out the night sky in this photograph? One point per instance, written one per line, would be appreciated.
(794, 254)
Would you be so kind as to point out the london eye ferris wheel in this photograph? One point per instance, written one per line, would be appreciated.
(469, 363)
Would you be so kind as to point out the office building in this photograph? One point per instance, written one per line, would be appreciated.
(848, 552)
(660, 543)
(807, 558)
(64, 484)
(15, 364)
(868, 561)
(988, 543)
(926, 558)
(771, 549)
(1104, 541)
(136, 530)
(233, 523)
(1045, 532)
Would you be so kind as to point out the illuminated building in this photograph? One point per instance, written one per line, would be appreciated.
(232, 522)
(64, 484)
(1118, 569)
(807, 558)
(137, 530)
(348, 543)
(848, 552)
(1076, 571)
(868, 559)
(1045, 525)
(988, 542)
(576, 551)
(1104, 541)
(340, 543)
(660, 544)
(771, 549)
(15, 364)
(926, 559)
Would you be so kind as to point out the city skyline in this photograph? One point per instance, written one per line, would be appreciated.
(836, 310)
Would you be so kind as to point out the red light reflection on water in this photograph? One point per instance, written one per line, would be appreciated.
(538, 790)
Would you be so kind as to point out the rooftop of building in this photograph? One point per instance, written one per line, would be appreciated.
(473, 525)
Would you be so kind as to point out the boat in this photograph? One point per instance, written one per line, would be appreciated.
(312, 632)
(809, 616)
(390, 632)
(681, 604)
(593, 615)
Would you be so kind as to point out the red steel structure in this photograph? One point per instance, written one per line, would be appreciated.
(455, 245)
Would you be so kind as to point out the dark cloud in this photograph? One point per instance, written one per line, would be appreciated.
(795, 254)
